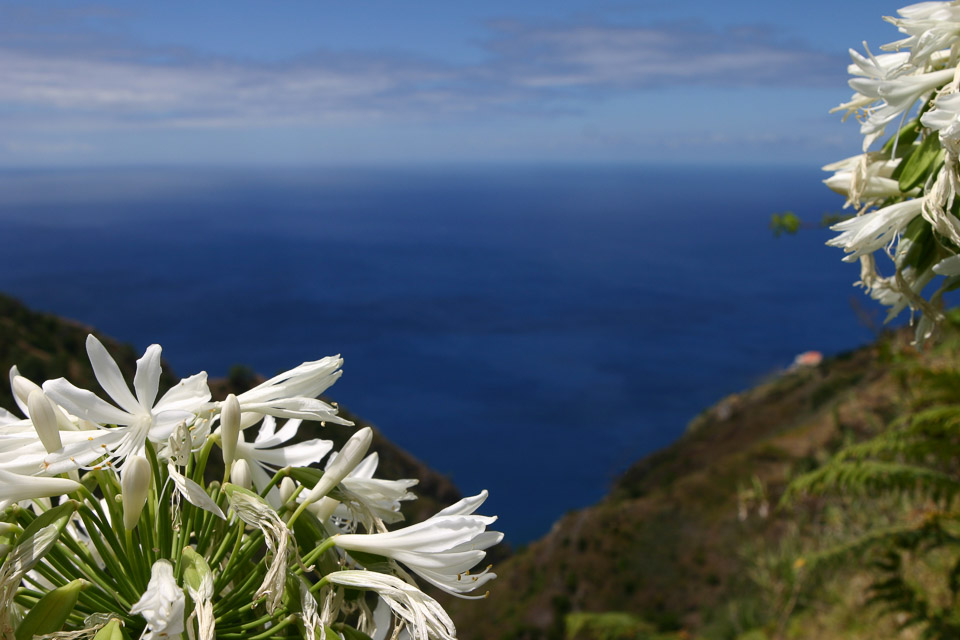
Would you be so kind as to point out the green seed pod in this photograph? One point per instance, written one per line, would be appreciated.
(110, 631)
(195, 567)
(51, 612)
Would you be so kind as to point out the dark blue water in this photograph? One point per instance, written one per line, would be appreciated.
(531, 331)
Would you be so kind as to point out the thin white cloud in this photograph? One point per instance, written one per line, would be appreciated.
(77, 85)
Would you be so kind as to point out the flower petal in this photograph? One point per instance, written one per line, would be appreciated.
(189, 394)
(109, 376)
(194, 493)
(84, 404)
(147, 379)
(301, 454)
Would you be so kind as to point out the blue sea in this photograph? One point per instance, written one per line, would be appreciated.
(529, 330)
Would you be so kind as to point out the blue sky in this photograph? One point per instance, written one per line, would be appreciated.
(387, 82)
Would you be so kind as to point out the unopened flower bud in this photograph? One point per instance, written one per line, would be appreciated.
(44, 419)
(324, 508)
(23, 387)
(287, 487)
(347, 459)
(134, 486)
(240, 474)
(229, 428)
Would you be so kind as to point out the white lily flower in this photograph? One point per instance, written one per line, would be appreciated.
(441, 549)
(381, 498)
(864, 177)
(930, 27)
(162, 604)
(263, 456)
(866, 233)
(944, 118)
(138, 417)
(6, 417)
(895, 97)
(417, 611)
(293, 394)
(351, 454)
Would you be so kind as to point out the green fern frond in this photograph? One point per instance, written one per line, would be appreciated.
(873, 477)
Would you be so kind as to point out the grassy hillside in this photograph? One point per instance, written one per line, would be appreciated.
(689, 542)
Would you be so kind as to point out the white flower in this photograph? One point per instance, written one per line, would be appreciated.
(293, 394)
(138, 417)
(895, 97)
(944, 117)
(441, 549)
(418, 611)
(871, 231)
(863, 177)
(161, 605)
(264, 456)
(351, 454)
(380, 498)
(930, 27)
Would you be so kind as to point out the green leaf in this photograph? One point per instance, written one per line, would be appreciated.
(51, 612)
(349, 633)
(307, 476)
(904, 139)
(917, 167)
(59, 515)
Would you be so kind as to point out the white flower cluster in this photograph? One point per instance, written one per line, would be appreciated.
(905, 192)
(107, 517)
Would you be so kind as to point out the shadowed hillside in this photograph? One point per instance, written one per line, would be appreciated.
(678, 547)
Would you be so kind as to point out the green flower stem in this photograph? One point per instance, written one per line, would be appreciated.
(222, 549)
(25, 600)
(290, 619)
(62, 564)
(209, 520)
(149, 534)
(318, 585)
(249, 625)
(201, 465)
(322, 548)
(240, 594)
(252, 546)
(121, 579)
(137, 561)
(103, 527)
(237, 558)
(145, 531)
(275, 480)
(93, 573)
(181, 538)
(296, 514)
